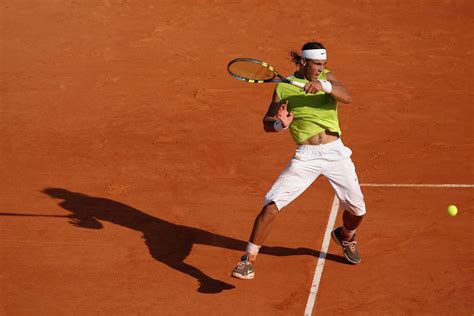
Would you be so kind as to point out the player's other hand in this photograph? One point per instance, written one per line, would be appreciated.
(283, 115)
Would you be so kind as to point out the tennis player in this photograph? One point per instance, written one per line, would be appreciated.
(310, 114)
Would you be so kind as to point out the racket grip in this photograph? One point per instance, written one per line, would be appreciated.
(298, 84)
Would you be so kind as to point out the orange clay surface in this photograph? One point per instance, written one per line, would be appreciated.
(133, 165)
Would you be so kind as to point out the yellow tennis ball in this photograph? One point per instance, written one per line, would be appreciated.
(452, 210)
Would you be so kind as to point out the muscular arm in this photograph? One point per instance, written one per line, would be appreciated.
(339, 91)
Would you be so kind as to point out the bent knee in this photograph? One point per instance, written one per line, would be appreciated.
(356, 210)
(270, 210)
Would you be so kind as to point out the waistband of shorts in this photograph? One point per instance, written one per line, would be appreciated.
(320, 148)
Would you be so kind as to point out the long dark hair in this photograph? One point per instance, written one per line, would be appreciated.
(295, 56)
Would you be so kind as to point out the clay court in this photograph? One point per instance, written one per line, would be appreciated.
(133, 165)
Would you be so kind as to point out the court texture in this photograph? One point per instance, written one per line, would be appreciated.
(133, 165)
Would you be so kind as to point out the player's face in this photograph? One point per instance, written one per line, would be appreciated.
(313, 68)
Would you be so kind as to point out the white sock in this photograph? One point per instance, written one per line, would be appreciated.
(252, 249)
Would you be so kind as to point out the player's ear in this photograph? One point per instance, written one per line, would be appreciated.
(302, 61)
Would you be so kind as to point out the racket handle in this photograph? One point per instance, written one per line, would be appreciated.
(298, 84)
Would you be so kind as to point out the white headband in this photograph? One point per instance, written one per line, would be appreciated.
(314, 54)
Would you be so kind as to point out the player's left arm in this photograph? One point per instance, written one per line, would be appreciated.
(339, 91)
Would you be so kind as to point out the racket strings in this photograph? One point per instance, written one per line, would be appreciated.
(251, 70)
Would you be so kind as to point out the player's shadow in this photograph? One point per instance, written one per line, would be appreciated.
(167, 242)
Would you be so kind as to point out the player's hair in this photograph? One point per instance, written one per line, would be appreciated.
(295, 56)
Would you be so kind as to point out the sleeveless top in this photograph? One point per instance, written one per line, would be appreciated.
(313, 113)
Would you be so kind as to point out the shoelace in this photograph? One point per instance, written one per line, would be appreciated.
(243, 264)
(351, 244)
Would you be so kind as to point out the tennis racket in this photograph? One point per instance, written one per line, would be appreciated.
(257, 71)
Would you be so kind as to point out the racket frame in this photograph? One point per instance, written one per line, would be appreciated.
(276, 78)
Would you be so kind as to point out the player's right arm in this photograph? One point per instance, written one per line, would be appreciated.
(277, 110)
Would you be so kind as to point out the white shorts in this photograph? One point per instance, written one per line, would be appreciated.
(331, 160)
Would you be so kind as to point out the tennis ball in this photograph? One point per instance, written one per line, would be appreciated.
(452, 210)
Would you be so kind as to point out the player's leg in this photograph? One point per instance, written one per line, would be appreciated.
(350, 223)
(343, 179)
(261, 228)
(294, 180)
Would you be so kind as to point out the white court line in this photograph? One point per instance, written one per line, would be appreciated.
(322, 257)
(421, 185)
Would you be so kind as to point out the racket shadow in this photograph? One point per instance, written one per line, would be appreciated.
(167, 242)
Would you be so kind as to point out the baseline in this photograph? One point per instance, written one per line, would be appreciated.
(420, 185)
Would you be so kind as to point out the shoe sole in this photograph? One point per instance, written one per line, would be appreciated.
(352, 261)
(243, 277)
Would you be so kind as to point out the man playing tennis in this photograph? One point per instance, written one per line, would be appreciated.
(310, 113)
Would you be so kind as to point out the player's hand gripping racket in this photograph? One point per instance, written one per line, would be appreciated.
(256, 71)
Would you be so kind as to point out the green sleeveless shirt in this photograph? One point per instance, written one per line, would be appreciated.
(313, 113)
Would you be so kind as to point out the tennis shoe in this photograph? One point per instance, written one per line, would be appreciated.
(244, 269)
(349, 247)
